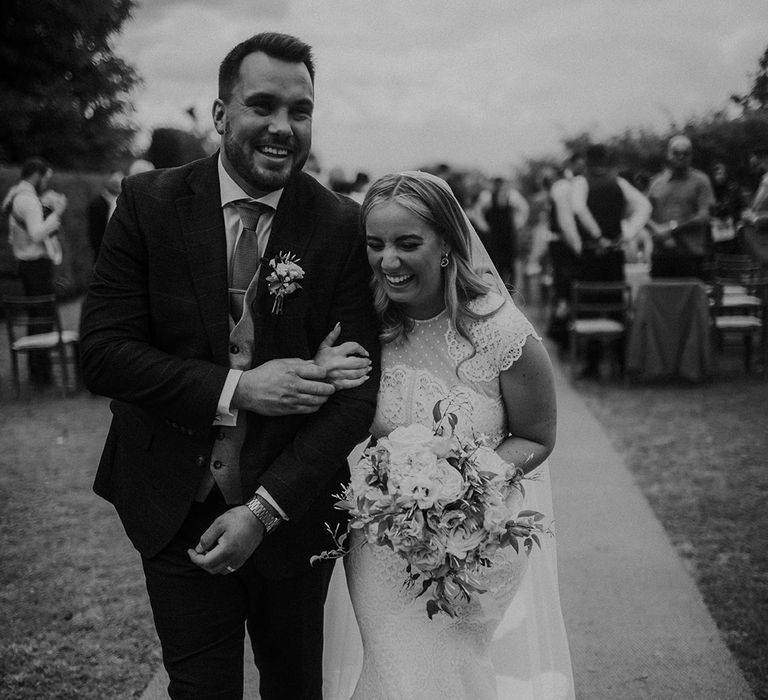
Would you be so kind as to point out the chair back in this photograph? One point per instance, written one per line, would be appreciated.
(736, 269)
(26, 316)
(600, 299)
(751, 299)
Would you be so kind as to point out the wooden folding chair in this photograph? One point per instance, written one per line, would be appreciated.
(741, 315)
(599, 313)
(34, 325)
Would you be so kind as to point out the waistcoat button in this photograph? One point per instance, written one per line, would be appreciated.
(234, 349)
(218, 464)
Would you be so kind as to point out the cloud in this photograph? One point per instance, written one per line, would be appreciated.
(401, 83)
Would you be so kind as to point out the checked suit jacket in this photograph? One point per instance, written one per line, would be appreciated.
(154, 338)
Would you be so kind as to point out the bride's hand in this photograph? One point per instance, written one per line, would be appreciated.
(347, 365)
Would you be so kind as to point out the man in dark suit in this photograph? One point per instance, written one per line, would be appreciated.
(227, 440)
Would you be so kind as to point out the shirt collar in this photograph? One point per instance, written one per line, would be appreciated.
(231, 192)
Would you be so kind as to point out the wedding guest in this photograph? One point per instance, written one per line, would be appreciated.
(359, 187)
(227, 440)
(681, 197)
(505, 212)
(754, 230)
(337, 181)
(312, 167)
(611, 211)
(564, 252)
(32, 234)
(101, 207)
(539, 217)
(758, 207)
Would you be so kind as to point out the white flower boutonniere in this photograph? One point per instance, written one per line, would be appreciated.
(283, 280)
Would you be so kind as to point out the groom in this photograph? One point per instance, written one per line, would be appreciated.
(226, 441)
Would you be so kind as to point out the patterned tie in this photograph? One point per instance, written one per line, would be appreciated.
(245, 259)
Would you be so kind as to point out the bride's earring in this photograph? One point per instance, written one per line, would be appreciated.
(444, 259)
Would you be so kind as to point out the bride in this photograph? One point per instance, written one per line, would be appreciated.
(451, 330)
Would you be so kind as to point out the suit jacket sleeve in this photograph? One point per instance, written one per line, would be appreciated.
(306, 468)
(139, 344)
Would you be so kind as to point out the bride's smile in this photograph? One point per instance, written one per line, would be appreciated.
(404, 253)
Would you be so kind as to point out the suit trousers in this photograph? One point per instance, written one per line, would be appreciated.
(201, 618)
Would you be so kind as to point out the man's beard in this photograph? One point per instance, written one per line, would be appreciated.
(262, 179)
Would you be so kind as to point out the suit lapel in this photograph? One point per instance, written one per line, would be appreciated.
(292, 228)
(202, 223)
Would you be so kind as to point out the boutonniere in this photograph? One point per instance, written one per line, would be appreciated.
(283, 280)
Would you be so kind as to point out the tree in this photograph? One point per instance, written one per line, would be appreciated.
(63, 93)
(757, 98)
(171, 147)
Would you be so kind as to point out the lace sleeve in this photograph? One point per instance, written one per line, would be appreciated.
(512, 329)
(498, 340)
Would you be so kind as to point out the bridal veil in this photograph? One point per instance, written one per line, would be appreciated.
(530, 648)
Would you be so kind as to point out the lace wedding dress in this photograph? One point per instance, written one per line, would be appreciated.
(507, 645)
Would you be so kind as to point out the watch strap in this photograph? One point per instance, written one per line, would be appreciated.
(260, 507)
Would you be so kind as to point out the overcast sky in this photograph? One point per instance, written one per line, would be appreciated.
(402, 83)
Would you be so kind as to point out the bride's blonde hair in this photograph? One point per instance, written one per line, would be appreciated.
(432, 201)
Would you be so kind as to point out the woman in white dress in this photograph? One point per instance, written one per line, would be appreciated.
(451, 330)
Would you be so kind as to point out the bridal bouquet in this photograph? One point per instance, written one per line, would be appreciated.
(441, 504)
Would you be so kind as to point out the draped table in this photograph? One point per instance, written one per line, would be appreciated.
(670, 332)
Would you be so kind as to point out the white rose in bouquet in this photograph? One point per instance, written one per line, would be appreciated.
(449, 482)
(405, 441)
(459, 542)
(427, 555)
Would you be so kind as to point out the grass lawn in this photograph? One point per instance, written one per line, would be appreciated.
(75, 615)
(700, 456)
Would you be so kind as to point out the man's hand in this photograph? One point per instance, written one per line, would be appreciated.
(282, 387)
(226, 545)
(347, 365)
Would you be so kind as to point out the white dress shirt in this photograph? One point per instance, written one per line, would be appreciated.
(231, 194)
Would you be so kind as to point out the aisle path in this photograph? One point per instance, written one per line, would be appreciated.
(637, 625)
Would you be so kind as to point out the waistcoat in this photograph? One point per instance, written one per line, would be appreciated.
(606, 204)
(224, 466)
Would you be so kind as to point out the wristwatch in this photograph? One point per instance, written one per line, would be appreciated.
(260, 507)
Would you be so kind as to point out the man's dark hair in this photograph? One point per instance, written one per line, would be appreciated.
(281, 46)
(596, 155)
(34, 165)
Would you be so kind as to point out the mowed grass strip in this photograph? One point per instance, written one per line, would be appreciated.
(700, 456)
(76, 619)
